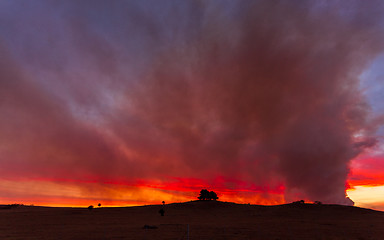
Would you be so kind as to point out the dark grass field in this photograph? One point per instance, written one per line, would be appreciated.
(205, 220)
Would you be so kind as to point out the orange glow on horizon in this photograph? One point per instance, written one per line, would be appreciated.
(368, 196)
(116, 193)
(83, 194)
(366, 182)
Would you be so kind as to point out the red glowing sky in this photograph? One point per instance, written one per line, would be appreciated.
(135, 102)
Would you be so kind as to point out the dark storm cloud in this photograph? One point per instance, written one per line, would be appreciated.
(264, 92)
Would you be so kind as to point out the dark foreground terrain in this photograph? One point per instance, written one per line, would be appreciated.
(206, 220)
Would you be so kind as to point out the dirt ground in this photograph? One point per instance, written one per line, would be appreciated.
(205, 220)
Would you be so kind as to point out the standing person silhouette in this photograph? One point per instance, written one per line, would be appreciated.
(161, 211)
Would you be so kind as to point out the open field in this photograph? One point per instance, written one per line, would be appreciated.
(206, 220)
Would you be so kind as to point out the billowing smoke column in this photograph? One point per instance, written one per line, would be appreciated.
(256, 93)
(268, 92)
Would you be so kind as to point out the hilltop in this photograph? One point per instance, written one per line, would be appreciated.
(205, 220)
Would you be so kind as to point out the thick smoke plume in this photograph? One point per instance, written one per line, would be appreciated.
(262, 93)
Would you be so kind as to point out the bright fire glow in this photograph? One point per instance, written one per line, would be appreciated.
(368, 196)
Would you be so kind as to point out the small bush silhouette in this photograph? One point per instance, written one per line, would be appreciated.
(299, 202)
(15, 205)
(11, 206)
(90, 207)
(207, 195)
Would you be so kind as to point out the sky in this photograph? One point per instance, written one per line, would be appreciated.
(138, 102)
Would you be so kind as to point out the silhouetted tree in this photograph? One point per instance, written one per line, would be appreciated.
(207, 195)
(213, 196)
(90, 207)
(204, 194)
(99, 204)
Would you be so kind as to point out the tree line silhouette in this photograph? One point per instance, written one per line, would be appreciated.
(206, 195)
